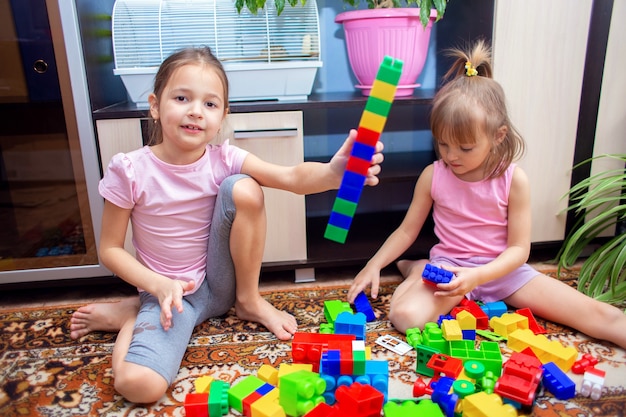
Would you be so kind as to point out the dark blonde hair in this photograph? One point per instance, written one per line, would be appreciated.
(471, 103)
(186, 56)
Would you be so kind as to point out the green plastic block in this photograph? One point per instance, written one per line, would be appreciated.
(378, 106)
(332, 309)
(359, 362)
(300, 392)
(335, 233)
(424, 353)
(218, 398)
(344, 207)
(390, 70)
(238, 392)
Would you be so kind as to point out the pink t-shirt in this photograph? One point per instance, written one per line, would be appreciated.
(471, 218)
(172, 205)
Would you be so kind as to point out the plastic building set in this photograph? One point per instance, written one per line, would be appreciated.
(332, 374)
(370, 127)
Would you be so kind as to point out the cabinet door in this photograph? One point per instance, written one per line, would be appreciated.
(115, 136)
(276, 137)
(543, 103)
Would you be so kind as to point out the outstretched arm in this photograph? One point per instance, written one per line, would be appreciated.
(400, 240)
(310, 177)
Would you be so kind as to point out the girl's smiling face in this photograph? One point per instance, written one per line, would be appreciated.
(191, 110)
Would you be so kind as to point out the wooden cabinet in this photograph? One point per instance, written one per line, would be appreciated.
(273, 136)
(115, 136)
(276, 137)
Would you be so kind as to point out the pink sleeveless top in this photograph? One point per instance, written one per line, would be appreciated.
(471, 218)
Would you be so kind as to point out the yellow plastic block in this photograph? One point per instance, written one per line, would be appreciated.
(287, 368)
(383, 90)
(267, 406)
(508, 323)
(202, 384)
(482, 404)
(269, 374)
(451, 330)
(466, 320)
(545, 349)
(372, 121)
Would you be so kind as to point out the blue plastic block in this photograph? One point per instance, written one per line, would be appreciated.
(362, 305)
(469, 334)
(349, 323)
(340, 220)
(557, 382)
(363, 151)
(330, 362)
(265, 388)
(443, 317)
(433, 275)
(351, 194)
(494, 309)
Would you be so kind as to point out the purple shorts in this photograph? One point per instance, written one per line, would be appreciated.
(496, 290)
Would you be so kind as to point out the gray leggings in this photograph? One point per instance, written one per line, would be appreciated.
(163, 351)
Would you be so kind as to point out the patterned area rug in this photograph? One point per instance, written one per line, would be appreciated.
(45, 373)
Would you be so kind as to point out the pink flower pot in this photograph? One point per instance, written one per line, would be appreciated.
(373, 33)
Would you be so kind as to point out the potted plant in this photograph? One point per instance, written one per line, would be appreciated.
(397, 28)
(600, 205)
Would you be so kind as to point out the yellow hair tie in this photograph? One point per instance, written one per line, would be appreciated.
(470, 71)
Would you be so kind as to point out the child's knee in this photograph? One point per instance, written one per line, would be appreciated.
(140, 385)
(404, 317)
(248, 194)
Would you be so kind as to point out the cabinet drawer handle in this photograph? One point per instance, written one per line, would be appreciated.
(265, 133)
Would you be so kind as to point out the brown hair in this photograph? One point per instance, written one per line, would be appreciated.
(472, 102)
(186, 56)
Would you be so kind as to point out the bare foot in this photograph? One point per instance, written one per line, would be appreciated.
(107, 317)
(259, 310)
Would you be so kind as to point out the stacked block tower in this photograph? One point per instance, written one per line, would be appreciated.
(370, 127)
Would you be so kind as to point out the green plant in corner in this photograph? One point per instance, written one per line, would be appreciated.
(424, 5)
(600, 205)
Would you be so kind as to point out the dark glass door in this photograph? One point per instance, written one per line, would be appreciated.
(45, 218)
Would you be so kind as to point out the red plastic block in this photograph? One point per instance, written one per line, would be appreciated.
(482, 320)
(520, 378)
(197, 405)
(532, 322)
(308, 347)
(248, 401)
(323, 410)
(445, 365)
(359, 400)
(583, 363)
(367, 136)
(358, 165)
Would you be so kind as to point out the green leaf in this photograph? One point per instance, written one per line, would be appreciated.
(280, 5)
(425, 7)
(599, 203)
(440, 5)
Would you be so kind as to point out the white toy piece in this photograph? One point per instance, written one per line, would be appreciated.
(593, 381)
(394, 344)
